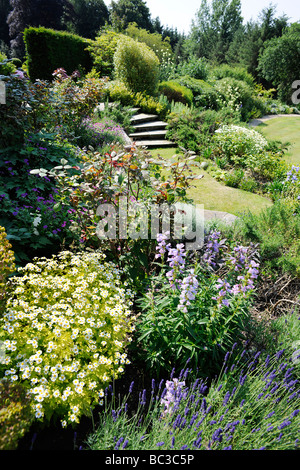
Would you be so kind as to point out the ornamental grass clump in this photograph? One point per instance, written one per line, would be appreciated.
(65, 330)
(253, 404)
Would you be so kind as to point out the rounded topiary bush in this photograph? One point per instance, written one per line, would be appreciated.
(136, 65)
(65, 331)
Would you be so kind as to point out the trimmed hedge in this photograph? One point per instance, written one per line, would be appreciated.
(48, 50)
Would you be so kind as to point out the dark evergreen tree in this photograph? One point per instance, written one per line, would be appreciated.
(4, 11)
(124, 12)
(90, 16)
(24, 13)
(214, 28)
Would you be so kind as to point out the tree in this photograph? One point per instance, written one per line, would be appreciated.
(4, 11)
(279, 63)
(25, 13)
(124, 12)
(90, 16)
(250, 41)
(214, 28)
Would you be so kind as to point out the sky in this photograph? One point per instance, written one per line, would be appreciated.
(180, 13)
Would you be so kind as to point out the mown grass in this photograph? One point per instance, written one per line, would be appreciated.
(287, 130)
(218, 197)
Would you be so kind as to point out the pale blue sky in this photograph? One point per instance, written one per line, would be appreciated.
(180, 13)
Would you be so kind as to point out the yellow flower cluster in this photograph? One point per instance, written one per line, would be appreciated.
(66, 329)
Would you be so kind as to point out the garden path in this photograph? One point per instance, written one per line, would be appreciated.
(256, 122)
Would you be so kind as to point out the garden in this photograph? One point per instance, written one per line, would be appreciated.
(115, 338)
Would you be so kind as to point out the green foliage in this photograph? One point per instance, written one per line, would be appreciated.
(279, 62)
(193, 310)
(159, 46)
(239, 96)
(227, 71)
(27, 208)
(252, 162)
(247, 406)
(15, 414)
(68, 319)
(194, 67)
(118, 92)
(7, 264)
(136, 65)
(193, 129)
(48, 50)
(176, 92)
(237, 144)
(103, 50)
(7, 66)
(89, 16)
(205, 95)
(128, 178)
(125, 12)
(277, 230)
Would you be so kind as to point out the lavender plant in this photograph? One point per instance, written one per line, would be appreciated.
(253, 404)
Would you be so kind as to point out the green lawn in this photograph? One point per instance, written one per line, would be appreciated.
(218, 197)
(285, 129)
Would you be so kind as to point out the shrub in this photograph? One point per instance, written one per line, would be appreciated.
(28, 202)
(252, 404)
(204, 94)
(48, 50)
(239, 96)
(237, 73)
(15, 414)
(194, 128)
(7, 66)
(160, 46)
(237, 143)
(194, 67)
(176, 92)
(127, 179)
(277, 230)
(103, 50)
(120, 93)
(68, 320)
(136, 65)
(7, 264)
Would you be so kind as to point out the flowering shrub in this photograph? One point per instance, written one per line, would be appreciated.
(237, 143)
(128, 173)
(196, 307)
(7, 264)
(253, 404)
(15, 414)
(64, 331)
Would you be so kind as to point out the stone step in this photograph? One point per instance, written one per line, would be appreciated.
(154, 143)
(142, 118)
(151, 135)
(150, 126)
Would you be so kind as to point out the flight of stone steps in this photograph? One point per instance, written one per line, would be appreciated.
(149, 131)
